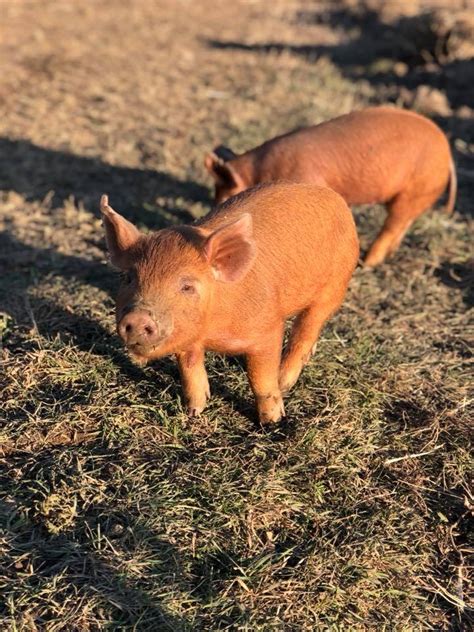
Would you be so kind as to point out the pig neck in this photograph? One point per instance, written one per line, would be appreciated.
(235, 321)
(283, 159)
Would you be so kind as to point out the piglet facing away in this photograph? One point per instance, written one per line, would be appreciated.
(229, 282)
(380, 154)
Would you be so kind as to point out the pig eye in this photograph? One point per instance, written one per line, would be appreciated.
(128, 277)
(187, 287)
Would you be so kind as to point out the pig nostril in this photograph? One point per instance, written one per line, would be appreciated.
(148, 330)
(128, 328)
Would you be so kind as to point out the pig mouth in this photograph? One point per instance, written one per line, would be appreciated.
(138, 360)
(141, 353)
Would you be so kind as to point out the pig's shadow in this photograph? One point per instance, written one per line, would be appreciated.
(222, 387)
(245, 404)
(459, 276)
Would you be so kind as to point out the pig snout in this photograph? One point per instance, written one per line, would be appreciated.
(138, 328)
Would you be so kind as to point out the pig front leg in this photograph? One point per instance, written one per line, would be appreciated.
(263, 370)
(194, 380)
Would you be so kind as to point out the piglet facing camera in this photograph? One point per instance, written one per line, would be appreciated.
(229, 282)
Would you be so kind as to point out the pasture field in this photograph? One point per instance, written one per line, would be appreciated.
(117, 512)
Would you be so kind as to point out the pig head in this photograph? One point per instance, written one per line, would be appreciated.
(229, 180)
(169, 277)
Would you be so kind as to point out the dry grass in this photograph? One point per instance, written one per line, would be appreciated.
(116, 511)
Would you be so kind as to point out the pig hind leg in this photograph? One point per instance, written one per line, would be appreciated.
(305, 333)
(402, 212)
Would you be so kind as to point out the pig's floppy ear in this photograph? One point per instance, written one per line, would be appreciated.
(231, 250)
(120, 234)
(220, 169)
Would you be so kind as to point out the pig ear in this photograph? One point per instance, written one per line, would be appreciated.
(221, 170)
(226, 153)
(120, 234)
(231, 250)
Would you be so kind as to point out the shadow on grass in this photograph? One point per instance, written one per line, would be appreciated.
(90, 560)
(410, 39)
(79, 568)
(459, 276)
(27, 267)
(35, 171)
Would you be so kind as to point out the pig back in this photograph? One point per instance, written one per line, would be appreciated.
(305, 237)
(367, 156)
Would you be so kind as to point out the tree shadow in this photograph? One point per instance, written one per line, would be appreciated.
(35, 172)
(408, 39)
(27, 265)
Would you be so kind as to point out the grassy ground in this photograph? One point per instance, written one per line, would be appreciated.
(116, 511)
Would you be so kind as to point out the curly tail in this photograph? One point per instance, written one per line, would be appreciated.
(453, 189)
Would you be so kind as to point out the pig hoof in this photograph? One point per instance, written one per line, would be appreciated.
(289, 373)
(195, 410)
(286, 386)
(195, 405)
(371, 261)
(271, 409)
(287, 383)
(288, 380)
